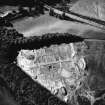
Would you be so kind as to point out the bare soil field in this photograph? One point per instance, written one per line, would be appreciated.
(46, 24)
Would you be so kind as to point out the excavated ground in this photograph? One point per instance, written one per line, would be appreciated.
(76, 67)
(55, 68)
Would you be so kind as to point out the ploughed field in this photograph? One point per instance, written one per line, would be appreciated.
(68, 70)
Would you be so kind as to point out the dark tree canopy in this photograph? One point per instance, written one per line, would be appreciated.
(28, 2)
(17, 2)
